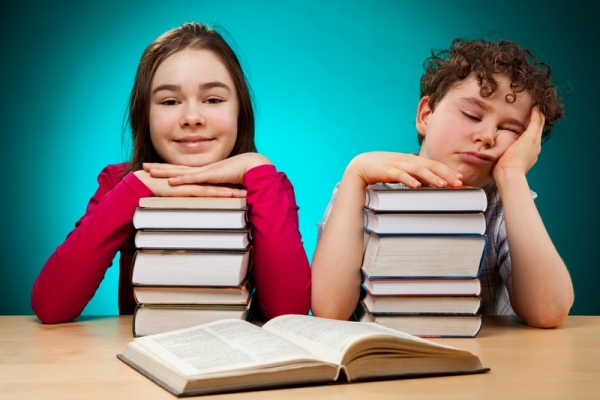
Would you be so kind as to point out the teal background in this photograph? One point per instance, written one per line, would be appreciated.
(331, 79)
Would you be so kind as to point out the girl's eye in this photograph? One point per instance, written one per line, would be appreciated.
(213, 100)
(169, 102)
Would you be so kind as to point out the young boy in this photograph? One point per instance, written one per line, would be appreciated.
(484, 109)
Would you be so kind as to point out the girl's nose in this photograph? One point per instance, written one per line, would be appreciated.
(192, 117)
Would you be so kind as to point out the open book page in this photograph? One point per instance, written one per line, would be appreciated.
(331, 339)
(222, 348)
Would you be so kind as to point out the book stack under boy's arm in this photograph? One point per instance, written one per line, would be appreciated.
(193, 262)
(422, 260)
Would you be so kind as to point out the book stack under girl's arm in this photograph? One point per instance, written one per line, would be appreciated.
(192, 264)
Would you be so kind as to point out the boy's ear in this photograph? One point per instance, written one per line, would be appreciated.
(423, 113)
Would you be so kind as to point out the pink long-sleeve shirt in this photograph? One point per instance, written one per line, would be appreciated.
(75, 270)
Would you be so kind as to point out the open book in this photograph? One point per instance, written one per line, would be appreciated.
(291, 350)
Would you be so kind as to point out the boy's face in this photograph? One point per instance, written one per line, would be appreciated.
(468, 132)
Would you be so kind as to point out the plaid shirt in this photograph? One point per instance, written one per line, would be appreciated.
(496, 265)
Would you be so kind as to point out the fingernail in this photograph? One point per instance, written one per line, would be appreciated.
(441, 182)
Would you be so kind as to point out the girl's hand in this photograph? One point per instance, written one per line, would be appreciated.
(524, 152)
(161, 187)
(228, 171)
(409, 169)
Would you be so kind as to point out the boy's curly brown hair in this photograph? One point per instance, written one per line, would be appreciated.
(482, 59)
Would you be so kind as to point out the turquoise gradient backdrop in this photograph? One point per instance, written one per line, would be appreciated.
(331, 79)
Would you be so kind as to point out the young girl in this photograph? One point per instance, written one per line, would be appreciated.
(193, 135)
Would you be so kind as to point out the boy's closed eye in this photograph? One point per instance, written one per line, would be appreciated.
(516, 131)
(512, 125)
(474, 117)
(471, 116)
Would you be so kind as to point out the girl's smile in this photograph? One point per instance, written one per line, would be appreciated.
(193, 142)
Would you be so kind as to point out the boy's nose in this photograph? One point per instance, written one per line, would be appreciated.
(485, 136)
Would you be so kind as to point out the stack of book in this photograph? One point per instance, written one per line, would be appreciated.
(193, 262)
(424, 252)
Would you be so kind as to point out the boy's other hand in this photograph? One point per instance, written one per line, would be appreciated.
(524, 152)
(408, 169)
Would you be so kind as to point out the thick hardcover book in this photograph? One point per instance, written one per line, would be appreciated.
(425, 325)
(291, 350)
(166, 218)
(396, 255)
(194, 202)
(424, 287)
(190, 268)
(216, 239)
(236, 295)
(150, 319)
(399, 197)
(425, 223)
(418, 304)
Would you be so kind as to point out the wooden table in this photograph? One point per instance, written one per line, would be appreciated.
(78, 361)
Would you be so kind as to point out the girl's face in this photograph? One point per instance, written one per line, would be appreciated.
(193, 109)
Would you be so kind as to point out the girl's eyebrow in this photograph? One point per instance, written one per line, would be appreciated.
(170, 88)
(203, 86)
(215, 84)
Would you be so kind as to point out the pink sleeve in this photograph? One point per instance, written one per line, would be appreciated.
(74, 271)
(281, 268)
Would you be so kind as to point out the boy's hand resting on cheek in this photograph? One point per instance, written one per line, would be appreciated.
(409, 169)
(524, 152)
